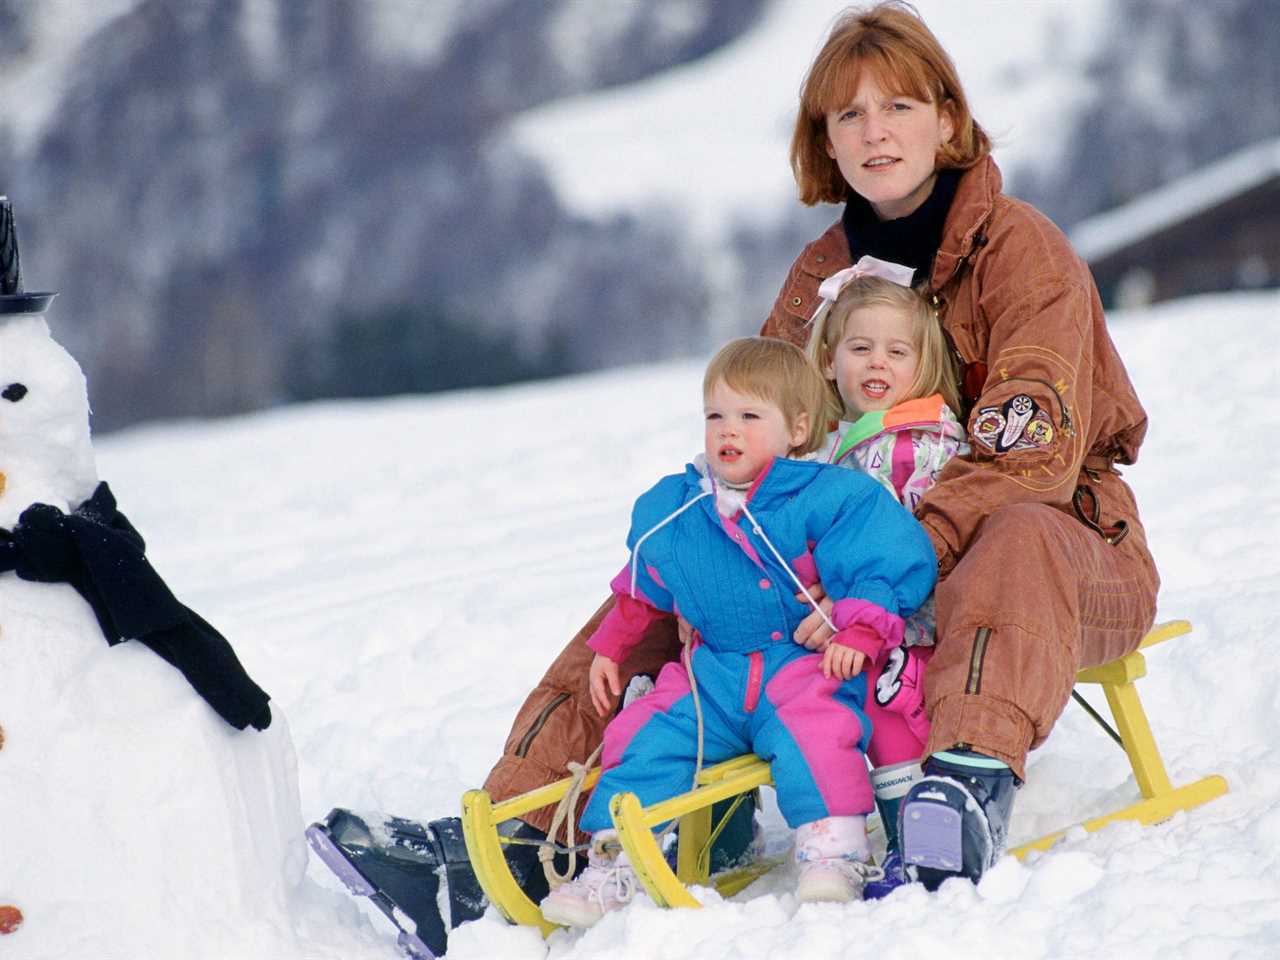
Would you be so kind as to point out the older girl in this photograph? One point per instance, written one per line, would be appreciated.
(891, 389)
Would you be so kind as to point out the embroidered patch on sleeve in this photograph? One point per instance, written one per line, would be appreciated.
(1017, 424)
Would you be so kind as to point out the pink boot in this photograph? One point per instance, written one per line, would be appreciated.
(608, 883)
(834, 860)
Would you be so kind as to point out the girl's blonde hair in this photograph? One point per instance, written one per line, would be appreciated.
(906, 59)
(935, 371)
(777, 372)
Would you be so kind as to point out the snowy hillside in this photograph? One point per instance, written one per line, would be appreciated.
(709, 140)
(323, 173)
(308, 171)
(398, 573)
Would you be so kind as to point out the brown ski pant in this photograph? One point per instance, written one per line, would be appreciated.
(1038, 594)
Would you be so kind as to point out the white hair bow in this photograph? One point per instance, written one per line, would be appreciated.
(866, 266)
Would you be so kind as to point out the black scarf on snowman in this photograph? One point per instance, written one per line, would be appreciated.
(98, 552)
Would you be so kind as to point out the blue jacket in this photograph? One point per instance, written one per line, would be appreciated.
(724, 576)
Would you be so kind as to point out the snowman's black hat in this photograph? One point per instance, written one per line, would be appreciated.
(12, 300)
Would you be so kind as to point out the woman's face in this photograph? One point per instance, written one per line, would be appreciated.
(887, 146)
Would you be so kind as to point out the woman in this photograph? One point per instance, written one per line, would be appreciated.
(1043, 562)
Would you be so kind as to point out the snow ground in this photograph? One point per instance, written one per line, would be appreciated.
(397, 573)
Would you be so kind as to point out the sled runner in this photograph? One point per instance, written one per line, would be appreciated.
(741, 775)
(1160, 798)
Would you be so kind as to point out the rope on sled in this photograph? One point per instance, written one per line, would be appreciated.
(1097, 717)
(564, 815)
(568, 804)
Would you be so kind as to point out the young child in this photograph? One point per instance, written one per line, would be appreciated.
(892, 387)
(727, 544)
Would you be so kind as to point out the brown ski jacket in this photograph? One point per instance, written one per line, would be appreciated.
(1047, 394)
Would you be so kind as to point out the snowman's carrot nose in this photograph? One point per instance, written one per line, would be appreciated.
(1, 483)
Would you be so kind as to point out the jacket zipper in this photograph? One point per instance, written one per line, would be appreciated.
(523, 747)
(936, 302)
(979, 241)
(962, 365)
(975, 660)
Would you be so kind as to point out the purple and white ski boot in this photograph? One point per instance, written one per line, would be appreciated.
(953, 823)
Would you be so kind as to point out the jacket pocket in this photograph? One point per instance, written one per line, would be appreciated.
(540, 721)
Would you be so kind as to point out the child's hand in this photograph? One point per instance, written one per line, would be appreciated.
(813, 632)
(604, 671)
(842, 662)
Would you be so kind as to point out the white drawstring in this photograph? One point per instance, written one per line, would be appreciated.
(635, 551)
(755, 525)
(687, 651)
(785, 566)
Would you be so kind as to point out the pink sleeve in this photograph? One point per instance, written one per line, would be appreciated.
(866, 626)
(623, 627)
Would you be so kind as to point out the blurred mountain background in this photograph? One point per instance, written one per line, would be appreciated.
(246, 203)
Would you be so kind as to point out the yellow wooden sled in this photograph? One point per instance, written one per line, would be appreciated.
(742, 775)
(1160, 798)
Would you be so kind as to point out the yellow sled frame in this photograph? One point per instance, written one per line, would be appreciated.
(742, 775)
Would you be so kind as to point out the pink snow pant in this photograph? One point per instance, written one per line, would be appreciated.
(774, 702)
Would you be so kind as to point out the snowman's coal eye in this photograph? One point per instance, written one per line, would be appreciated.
(14, 392)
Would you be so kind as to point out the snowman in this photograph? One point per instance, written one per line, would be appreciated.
(141, 814)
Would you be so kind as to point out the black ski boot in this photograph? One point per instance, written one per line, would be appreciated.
(398, 867)
(396, 870)
(954, 822)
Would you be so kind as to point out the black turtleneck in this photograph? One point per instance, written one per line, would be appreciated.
(912, 240)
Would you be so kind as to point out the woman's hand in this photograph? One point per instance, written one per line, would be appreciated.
(842, 662)
(813, 632)
(604, 680)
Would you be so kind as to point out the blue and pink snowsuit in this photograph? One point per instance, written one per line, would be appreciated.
(760, 691)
